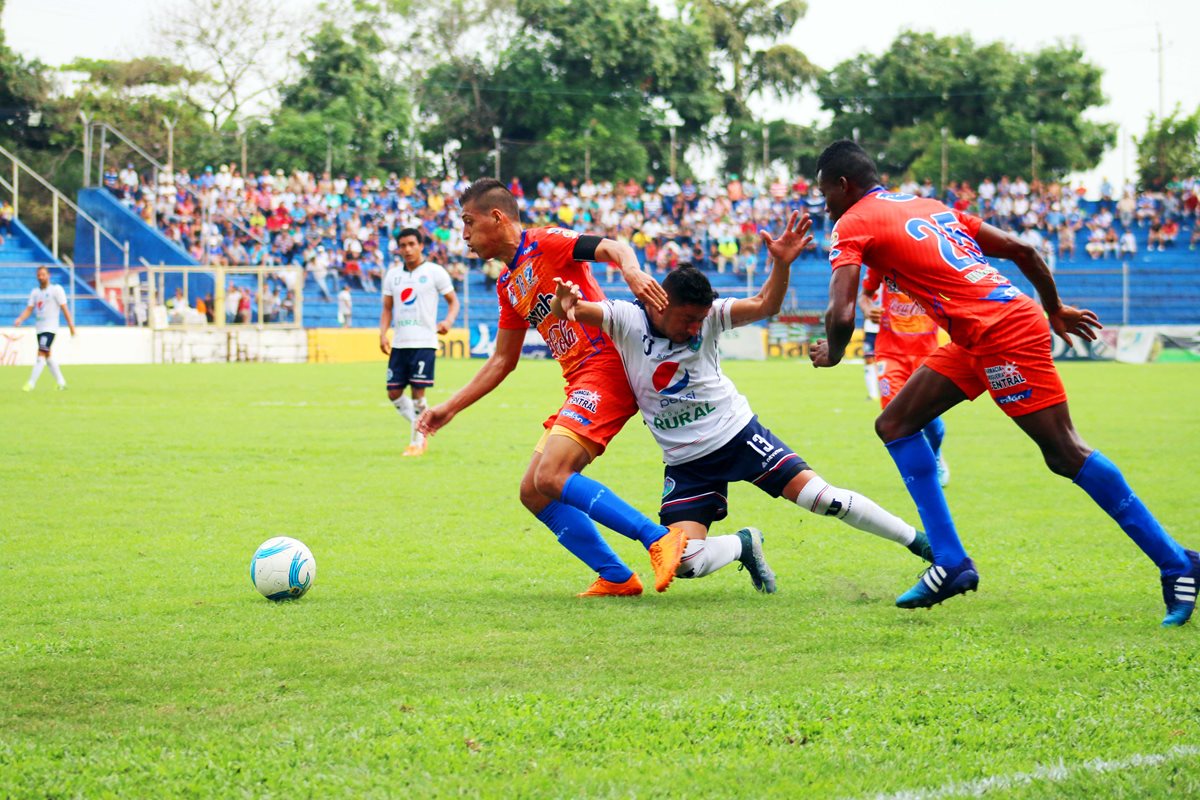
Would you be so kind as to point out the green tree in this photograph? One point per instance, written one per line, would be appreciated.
(747, 52)
(24, 94)
(1003, 111)
(1170, 149)
(342, 105)
(598, 84)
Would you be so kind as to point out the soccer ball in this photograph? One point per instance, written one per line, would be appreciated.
(282, 568)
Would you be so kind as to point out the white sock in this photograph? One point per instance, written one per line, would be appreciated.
(55, 371)
(405, 406)
(705, 556)
(419, 406)
(855, 510)
(871, 376)
(38, 366)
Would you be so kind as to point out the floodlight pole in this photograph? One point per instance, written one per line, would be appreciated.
(496, 136)
(328, 147)
(170, 123)
(87, 149)
(673, 130)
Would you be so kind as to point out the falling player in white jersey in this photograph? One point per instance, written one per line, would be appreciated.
(707, 432)
(45, 303)
(410, 302)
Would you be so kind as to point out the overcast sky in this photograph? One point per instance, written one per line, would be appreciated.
(1114, 35)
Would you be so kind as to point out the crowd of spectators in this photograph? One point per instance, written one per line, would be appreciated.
(340, 229)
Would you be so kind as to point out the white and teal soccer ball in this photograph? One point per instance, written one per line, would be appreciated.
(282, 568)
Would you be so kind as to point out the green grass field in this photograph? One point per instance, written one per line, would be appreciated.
(442, 651)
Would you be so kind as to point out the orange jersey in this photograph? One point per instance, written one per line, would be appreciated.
(904, 329)
(928, 251)
(527, 287)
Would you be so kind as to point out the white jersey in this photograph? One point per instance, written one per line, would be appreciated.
(46, 304)
(415, 296)
(870, 326)
(687, 402)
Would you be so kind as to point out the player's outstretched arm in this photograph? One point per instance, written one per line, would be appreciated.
(783, 252)
(643, 286)
(24, 315)
(502, 361)
(568, 303)
(1064, 320)
(839, 317)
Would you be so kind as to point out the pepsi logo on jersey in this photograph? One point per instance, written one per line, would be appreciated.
(667, 379)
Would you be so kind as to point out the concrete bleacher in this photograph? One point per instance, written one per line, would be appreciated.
(20, 256)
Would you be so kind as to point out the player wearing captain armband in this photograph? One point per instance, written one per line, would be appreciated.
(598, 399)
(708, 434)
(999, 343)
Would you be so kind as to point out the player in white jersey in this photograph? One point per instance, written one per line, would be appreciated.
(410, 303)
(45, 303)
(707, 431)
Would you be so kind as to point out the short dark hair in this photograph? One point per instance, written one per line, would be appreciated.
(845, 159)
(489, 193)
(410, 232)
(689, 286)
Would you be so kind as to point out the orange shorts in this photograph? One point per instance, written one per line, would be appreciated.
(1015, 365)
(894, 372)
(599, 403)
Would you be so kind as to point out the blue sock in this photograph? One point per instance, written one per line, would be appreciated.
(918, 467)
(934, 433)
(601, 504)
(576, 532)
(1105, 484)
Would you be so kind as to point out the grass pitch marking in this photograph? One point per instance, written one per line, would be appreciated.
(1053, 773)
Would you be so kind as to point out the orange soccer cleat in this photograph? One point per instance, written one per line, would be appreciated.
(603, 588)
(414, 450)
(665, 555)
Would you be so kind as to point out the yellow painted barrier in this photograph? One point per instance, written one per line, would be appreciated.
(349, 345)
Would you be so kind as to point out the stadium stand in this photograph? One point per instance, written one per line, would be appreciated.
(344, 227)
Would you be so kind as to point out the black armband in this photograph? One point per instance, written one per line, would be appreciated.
(585, 247)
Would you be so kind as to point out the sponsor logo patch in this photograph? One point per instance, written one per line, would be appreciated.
(1003, 376)
(668, 486)
(585, 399)
(408, 296)
(667, 379)
(580, 418)
(1014, 398)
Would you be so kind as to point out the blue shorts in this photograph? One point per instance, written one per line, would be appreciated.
(869, 344)
(45, 340)
(411, 366)
(698, 490)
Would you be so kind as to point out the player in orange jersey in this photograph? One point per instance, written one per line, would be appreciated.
(999, 342)
(598, 397)
(906, 337)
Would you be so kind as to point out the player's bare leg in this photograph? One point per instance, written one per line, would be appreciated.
(1067, 454)
(926, 396)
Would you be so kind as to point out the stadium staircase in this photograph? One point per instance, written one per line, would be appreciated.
(20, 256)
